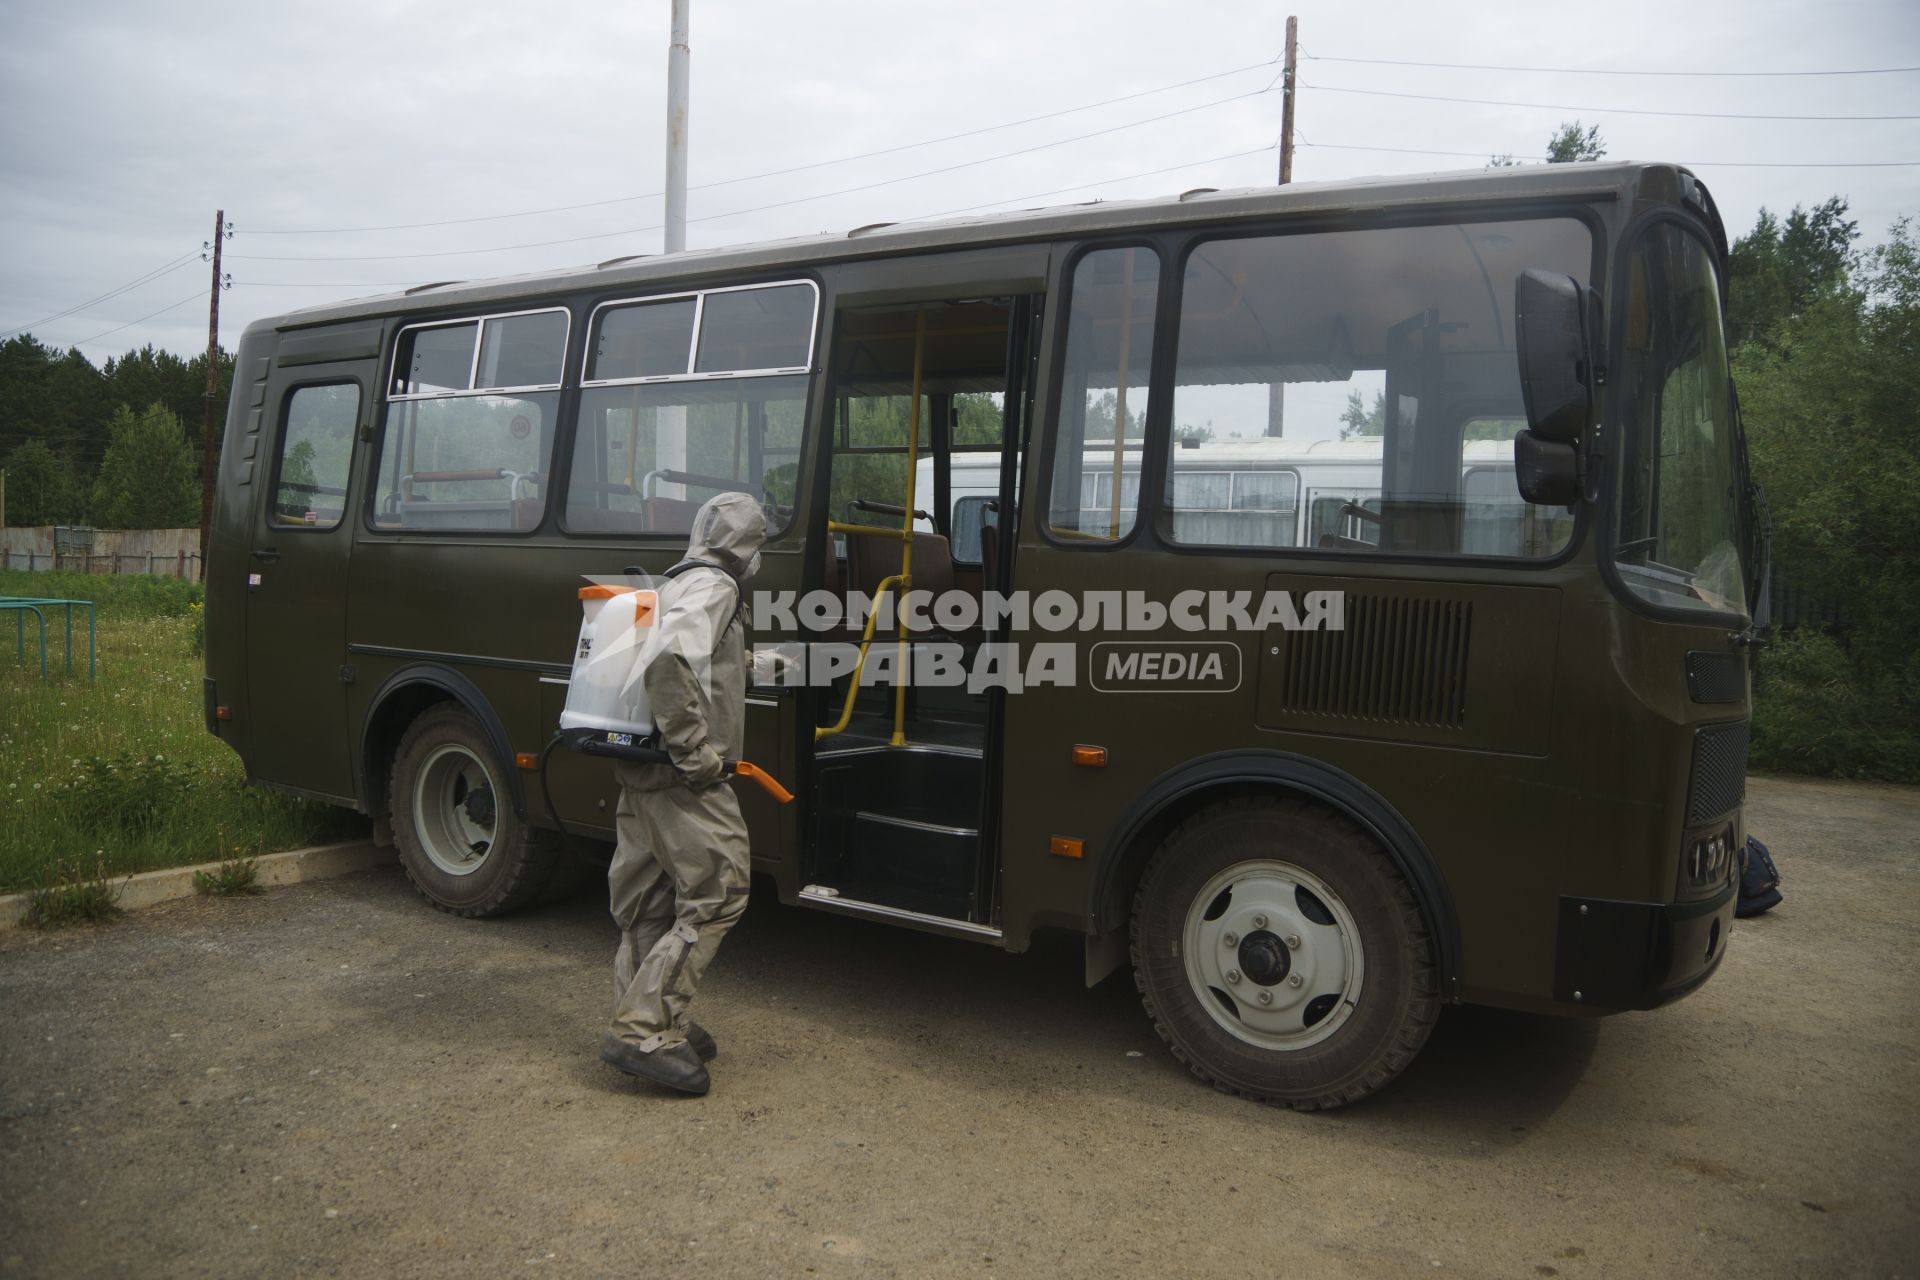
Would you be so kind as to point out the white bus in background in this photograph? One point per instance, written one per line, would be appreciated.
(1267, 493)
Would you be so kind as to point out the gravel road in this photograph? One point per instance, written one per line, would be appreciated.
(334, 1079)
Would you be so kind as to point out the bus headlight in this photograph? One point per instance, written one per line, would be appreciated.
(1706, 863)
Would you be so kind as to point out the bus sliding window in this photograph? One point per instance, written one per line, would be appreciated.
(645, 456)
(468, 433)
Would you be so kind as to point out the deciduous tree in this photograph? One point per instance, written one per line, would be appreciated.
(41, 488)
(149, 477)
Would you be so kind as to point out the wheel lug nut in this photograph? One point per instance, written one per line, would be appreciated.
(1233, 975)
(1266, 997)
(1293, 942)
(1293, 979)
(1232, 940)
(1259, 922)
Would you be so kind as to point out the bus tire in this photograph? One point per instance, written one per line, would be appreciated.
(1281, 954)
(460, 841)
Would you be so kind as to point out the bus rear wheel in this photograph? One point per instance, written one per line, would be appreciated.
(461, 843)
(1282, 956)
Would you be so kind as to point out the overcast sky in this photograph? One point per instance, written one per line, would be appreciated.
(127, 122)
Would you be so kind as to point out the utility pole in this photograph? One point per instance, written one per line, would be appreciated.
(220, 234)
(1277, 391)
(670, 427)
(679, 59)
(1286, 102)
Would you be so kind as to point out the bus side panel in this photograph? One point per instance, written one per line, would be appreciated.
(229, 542)
(504, 613)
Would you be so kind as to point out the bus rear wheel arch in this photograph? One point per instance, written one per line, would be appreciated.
(1281, 954)
(461, 842)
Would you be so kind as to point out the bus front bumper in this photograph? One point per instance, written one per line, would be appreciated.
(1614, 955)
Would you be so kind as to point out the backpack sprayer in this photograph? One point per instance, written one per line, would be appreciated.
(606, 712)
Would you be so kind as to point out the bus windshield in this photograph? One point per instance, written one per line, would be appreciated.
(1677, 528)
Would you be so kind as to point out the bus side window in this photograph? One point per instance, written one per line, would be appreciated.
(1103, 397)
(1357, 354)
(686, 396)
(316, 448)
(470, 424)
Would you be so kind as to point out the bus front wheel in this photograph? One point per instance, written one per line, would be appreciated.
(461, 843)
(1282, 956)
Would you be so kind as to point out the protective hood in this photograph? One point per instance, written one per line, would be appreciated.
(728, 531)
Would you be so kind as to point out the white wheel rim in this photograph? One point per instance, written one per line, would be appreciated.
(1273, 955)
(456, 830)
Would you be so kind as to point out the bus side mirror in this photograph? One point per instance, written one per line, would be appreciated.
(1547, 471)
(1551, 314)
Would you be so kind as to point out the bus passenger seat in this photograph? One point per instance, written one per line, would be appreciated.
(670, 515)
(871, 560)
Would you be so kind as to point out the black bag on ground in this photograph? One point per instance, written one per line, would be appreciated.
(1759, 881)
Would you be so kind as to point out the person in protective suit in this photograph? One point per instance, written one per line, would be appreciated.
(680, 869)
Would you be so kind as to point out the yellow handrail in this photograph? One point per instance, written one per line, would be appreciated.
(899, 583)
(853, 690)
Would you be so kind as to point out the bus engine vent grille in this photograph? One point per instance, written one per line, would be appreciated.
(1397, 659)
(1719, 771)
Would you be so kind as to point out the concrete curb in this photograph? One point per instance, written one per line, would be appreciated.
(149, 888)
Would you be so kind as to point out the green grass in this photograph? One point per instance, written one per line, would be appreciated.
(121, 775)
(69, 894)
(232, 877)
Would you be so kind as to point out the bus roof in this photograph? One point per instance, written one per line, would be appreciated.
(1602, 180)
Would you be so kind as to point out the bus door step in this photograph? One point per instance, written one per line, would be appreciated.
(842, 902)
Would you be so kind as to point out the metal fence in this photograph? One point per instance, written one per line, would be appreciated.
(1794, 607)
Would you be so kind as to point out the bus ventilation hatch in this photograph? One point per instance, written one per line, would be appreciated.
(1397, 659)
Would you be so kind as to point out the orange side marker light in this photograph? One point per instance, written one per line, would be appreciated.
(223, 713)
(1091, 757)
(1067, 847)
(527, 760)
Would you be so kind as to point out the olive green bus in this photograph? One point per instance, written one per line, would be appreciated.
(1499, 759)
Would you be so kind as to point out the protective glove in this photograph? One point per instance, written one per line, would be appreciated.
(771, 666)
(701, 767)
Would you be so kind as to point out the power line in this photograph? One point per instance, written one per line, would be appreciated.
(777, 204)
(1036, 195)
(1619, 111)
(142, 320)
(165, 268)
(1701, 164)
(949, 213)
(773, 173)
(1603, 71)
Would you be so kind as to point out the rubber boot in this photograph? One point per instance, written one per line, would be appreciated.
(677, 1067)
